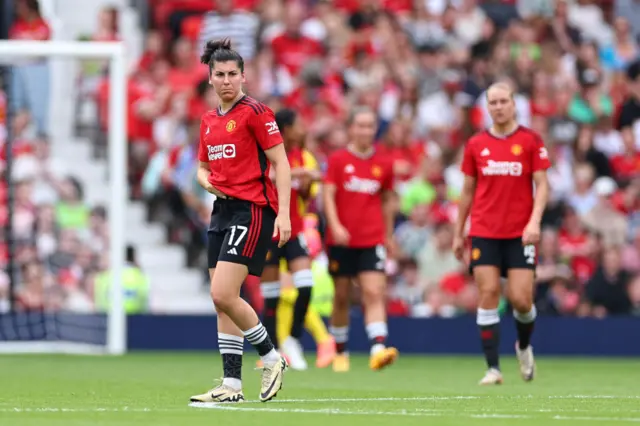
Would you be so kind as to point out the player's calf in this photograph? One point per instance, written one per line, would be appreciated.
(488, 321)
(303, 281)
(524, 352)
(373, 300)
(340, 315)
(525, 317)
(271, 294)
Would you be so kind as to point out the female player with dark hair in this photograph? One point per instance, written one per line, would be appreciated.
(239, 141)
(357, 189)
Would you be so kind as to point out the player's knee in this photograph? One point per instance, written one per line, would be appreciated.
(489, 296)
(372, 294)
(221, 300)
(521, 303)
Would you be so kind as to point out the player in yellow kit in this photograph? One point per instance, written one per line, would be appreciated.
(313, 321)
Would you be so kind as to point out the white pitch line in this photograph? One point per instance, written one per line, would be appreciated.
(418, 398)
(422, 413)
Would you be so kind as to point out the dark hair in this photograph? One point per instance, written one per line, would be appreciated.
(285, 118)
(130, 254)
(33, 6)
(220, 51)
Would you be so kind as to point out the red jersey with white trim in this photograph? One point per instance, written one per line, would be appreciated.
(234, 145)
(360, 182)
(296, 208)
(503, 168)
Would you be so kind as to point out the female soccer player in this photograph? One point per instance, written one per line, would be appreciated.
(501, 165)
(357, 190)
(295, 252)
(238, 143)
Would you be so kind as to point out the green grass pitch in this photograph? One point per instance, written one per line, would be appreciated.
(154, 389)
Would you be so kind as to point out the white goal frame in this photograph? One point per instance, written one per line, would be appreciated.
(117, 164)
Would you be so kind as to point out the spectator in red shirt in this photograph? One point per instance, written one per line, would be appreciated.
(30, 81)
(626, 166)
(292, 49)
(186, 73)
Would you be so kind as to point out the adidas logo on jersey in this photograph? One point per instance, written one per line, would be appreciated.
(232, 251)
(485, 152)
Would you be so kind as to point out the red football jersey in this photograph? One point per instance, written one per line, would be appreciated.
(234, 145)
(295, 211)
(503, 167)
(359, 183)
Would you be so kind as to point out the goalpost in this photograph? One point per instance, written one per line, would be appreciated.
(60, 332)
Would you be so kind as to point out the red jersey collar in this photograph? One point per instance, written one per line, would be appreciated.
(361, 155)
(504, 136)
(219, 109)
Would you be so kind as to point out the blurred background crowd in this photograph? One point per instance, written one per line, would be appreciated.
(424, 66)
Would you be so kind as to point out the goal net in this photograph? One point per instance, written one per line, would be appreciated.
(63, 197)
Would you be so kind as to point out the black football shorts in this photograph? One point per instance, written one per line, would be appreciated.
(349, 262)
(505, 254)
(295, 248)
(240, 232)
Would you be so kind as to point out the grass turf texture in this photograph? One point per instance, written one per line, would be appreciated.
(154, 389)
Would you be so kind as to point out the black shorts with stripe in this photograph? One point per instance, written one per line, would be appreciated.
(240, 232)
(503, 253)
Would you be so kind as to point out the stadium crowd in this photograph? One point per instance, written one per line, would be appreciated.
(424, 66)
(61, 243)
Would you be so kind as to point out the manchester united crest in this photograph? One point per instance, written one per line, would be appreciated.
(231, 126)
(376, 171)
(516, 149)
(475, 254)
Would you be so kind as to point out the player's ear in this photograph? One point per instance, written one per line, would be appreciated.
(243, 77)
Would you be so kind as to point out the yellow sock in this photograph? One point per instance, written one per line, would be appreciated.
(285, 313)
(315, 326)
(312, 322)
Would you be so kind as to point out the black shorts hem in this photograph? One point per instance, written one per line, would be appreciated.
(504, 254)
(348, 262)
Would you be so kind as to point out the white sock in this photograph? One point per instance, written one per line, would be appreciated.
(376, 330)
(376, 348)
(235, 384)
(271, 358)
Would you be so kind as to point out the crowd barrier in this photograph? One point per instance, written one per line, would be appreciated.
(618, 336)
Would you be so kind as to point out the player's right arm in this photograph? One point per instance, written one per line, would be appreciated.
(338, 232)
(465, 201)
(203, 173)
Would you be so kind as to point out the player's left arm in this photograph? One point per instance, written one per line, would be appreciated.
(542, 196)
(389, 207)
(540, 164)
(264, 127)
(389, 215)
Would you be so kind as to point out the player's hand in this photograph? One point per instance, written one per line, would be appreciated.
(458, 248)
(392, 247)
(215, 191)
(314, 175)
(340, 235)
(531, 234)
(282, 227)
